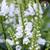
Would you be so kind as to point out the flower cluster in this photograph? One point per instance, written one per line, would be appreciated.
(25, 24)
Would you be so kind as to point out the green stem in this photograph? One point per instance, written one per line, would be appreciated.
(22, 8)
(36, 28)
(3, 29)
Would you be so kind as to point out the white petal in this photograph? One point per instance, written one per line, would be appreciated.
(11, 9)
(26, 40)
(19, 34)
(41, 41)
(4, 8)
(18, 47)
(10, 41)
(28, 26)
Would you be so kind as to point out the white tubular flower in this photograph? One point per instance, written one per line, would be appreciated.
(28, 26)
(29, 11)
(19, 34)
(18, 47)
(26, 13)
(41, 41)
(19, 31)
(11, 9)
(10, 42)
(4, 8)
(29, 34)
(19, 28)
(26, 40)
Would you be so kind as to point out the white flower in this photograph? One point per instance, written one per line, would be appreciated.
(29, 11)
(41, 41)
(26, 13)
(19, 34)
(4, 8)
(10, 41)
(28, 26)
(29, 34)
(19, 28)
(19, 31)
(26, 40)
(18, 47)
(11, 9)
